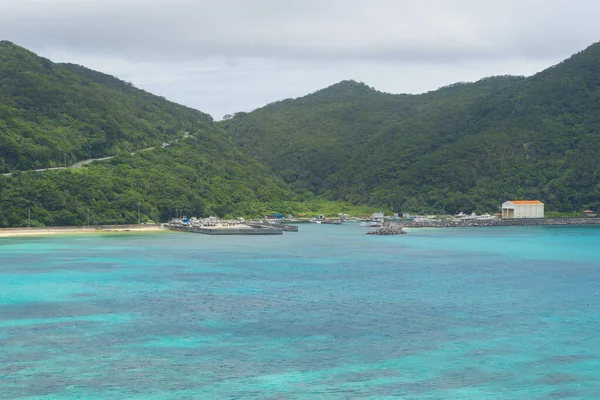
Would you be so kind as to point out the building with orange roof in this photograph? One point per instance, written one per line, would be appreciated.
(523, 209)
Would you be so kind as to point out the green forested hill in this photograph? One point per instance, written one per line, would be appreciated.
(463, 147)
(202, 175)
(50, 110)
(47, 110)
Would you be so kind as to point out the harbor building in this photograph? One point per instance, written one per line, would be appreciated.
(523, 209)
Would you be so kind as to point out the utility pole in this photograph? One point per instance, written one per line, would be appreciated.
(88, 215)
(139, 215)
(29, 214)
(65, 160)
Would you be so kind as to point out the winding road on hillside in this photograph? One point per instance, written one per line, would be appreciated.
(80, 164)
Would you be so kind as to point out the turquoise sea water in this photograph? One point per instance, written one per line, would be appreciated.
(326, 313)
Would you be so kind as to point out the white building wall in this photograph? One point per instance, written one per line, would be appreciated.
(529, 211)
(525, 210)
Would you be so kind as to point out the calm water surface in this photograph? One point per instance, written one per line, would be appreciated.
(326, 313)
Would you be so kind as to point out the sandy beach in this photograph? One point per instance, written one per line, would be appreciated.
(70, 230)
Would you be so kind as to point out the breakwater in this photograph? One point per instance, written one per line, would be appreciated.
(225, 230)
(283, 227)
(500, 222)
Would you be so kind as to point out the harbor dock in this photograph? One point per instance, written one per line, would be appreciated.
(225, 230)
(283, 227)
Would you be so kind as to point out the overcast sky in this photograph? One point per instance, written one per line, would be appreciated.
(236, 55)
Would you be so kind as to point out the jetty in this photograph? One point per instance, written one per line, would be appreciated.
(216, 226)
(283, 227)
(225, 230)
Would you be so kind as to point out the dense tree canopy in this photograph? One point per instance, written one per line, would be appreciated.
(461, 148)
(200, 176)
(464, 147)
(51, 112)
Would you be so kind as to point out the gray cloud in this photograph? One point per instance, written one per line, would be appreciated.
(228, 55)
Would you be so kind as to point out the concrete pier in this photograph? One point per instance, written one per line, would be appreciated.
(283, 227)
(225, 230)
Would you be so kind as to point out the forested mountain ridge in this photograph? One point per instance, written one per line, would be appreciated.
(48, 109)
(462, 147)
(49, 112)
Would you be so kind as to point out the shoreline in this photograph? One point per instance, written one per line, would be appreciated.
(70, 230)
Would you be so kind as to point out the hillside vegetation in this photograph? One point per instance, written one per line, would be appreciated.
(47, 110)
(347, 148)
(200, 176)
(51, 112)
(463, 147)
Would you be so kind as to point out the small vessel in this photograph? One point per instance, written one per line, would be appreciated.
(375, 221)
(371, 224)
(332, 221)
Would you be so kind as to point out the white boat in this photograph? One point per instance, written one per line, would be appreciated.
(371, 224)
